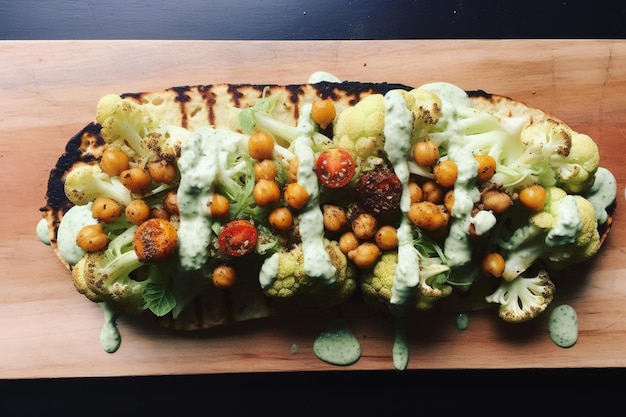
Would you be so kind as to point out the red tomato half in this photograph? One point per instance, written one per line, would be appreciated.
(335, 168)
(238, 237)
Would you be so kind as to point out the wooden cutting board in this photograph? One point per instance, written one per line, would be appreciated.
(48, 91)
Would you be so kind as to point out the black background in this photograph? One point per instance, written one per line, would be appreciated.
(528, 391)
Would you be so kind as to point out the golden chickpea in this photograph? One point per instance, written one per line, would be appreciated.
(496, 201)
(137, 212)
(218, 206)
(335, 218)
(323, 112)
(533, 197)
(265, 169)
(364, 226)
(281, 219)
(432, 192)
(386, 237)
(486, 167)
(415, 192)
(348, 241)
(295, 195)
(136, 179)
(266, 192)
(159, 213)
(493, 264)
(170, 202)
(292, 170)
(427, 216)
(114, 161)
(106, 209)
(365, 255)
(448, 200)
(446, 173)
(426, 153)
(224, 276)
(260, 145)
(162, 171)
(92, 238)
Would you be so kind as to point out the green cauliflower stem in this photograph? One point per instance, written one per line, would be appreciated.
(293, 287)
(85, 183)
(116, 275)
(557, 243)
(523, 298)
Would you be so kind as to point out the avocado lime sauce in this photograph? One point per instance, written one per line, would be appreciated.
(337, 345)
(602, 193)
(198, 165)
(397, 131)
(563, 326)
(71, 223)
(567, 224)
(110, 337)
(42, 231)
(317, 262)
(400, 349)
(461, 321)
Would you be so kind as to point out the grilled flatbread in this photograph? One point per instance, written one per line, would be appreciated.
(193, 107)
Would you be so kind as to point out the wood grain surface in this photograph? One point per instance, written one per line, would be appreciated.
(49, 89)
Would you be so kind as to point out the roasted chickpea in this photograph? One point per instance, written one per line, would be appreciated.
(432, 192)
(224, 276)
(136, 179)
(92, 238)
(493, 264)
(281, 219)
(446, 173)
(114, 161)
(486, 167)
(295, 195)
(292, 170)
(364, 226)
(170, 202)
(448, 200)
(496, 201)
(365, 255)
(159, 213)
(323, 112)
(265, 169)
(137, 211)
(415, 192)
(162, 171)
(218, 206)
(426, 153)
(348, 241)
(106, 209)
(266, 192)
(533, 197)
(260, 145)
(335, 218)
(386, 237)
(428, 216)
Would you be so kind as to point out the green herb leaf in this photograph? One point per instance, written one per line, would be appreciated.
(159, 298)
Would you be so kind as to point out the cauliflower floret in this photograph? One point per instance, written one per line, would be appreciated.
(293, 286)
(85, 183)
(523, 298)
(359, 129)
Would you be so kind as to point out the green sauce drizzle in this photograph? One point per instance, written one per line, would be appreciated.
(337, 345)
(461, 321)
(400, 348)
(563, 326)
(110, 337)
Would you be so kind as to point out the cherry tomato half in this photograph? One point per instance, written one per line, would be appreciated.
(237, 237)
(335, 168)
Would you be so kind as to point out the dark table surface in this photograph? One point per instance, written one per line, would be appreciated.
(304, 19)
